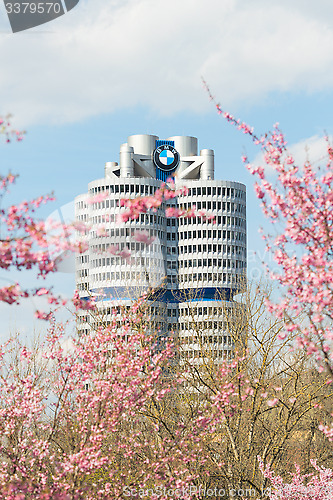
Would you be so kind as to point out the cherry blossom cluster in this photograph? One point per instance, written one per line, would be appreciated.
(85, 426)
(8, 132)
(299, 203)
(316, 486)
(136, 206)
(27, 243)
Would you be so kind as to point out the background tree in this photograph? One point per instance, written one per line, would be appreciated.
(274, 399)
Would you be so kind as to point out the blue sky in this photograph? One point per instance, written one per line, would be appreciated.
(109, 68)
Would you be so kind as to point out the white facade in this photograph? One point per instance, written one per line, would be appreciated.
(202, 264)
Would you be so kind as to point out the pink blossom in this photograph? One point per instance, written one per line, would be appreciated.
(98, 197)
(143, 237)
(272, 402)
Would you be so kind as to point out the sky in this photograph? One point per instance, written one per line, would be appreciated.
(82, 83)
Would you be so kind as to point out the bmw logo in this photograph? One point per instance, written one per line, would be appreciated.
(166, 158)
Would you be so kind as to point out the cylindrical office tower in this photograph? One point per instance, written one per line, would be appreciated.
(212, 266)
(196, 265)
(118, 266)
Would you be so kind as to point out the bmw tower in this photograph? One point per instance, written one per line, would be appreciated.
(196, 265)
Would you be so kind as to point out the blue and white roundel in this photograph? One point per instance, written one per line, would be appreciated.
(166, 157)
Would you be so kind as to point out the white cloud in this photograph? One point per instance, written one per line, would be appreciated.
(312, 149)
(105, 55)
